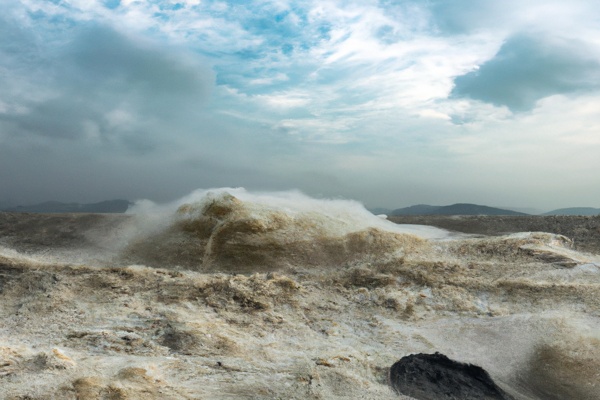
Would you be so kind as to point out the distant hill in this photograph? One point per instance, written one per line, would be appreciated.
(574, 211)
(109, 206)
(454, 209)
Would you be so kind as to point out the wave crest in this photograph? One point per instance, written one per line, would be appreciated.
(222, 232)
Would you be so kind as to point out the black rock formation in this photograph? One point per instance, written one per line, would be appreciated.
(435, 377)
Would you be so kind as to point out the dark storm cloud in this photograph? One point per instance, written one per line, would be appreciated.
(527, 69)
(59, 118)
(96, 73)
(106, 56)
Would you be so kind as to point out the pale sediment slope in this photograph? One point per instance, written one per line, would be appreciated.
(246, 298)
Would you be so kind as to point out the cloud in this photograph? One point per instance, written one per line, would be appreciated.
(528, 68)
(106, 85)
(463, 16)
(105, 98)
(501, 18)
(103, 55)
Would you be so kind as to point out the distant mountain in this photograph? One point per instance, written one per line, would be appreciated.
(574, 211)
(474, 209)
(109, 206)
(454, 209)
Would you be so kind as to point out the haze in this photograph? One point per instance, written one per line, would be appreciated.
(391, 103)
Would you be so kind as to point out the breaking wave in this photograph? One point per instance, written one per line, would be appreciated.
(235, 231)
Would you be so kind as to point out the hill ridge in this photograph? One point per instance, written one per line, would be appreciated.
(454, 209)
(574, 211)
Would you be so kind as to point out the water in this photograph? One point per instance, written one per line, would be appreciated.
(232, 294)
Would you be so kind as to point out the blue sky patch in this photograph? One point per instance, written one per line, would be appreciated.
(112, 4)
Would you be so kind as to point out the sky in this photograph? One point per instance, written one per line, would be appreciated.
(391, 103)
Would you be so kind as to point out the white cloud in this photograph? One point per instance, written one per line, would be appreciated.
(321, 130)
(429, 113)
(285, 100)
(120, 118)
(555, 141)
(279, 77)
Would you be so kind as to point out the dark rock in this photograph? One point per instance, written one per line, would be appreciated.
(435, 376)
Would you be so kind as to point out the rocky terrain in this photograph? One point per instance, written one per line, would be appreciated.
(230, 295)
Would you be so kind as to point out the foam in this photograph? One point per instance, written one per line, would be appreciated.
(13, 256)
(346, 215)
(233, 230)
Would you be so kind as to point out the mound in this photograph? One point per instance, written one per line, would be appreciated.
(223, 233)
